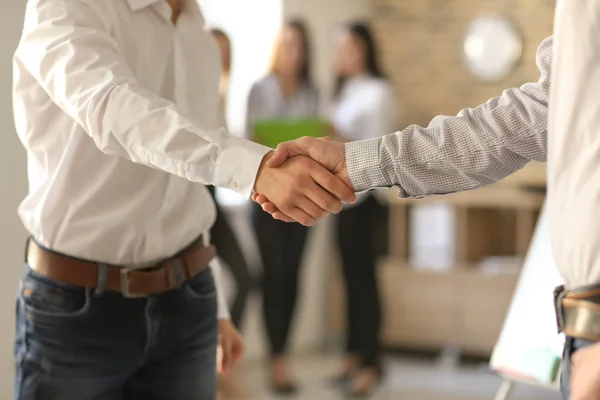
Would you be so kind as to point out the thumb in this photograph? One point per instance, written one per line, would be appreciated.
(282, 153)
(289, 149)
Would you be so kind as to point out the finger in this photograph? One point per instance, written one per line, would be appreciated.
(269, 207)
(220, 359)
(290, 149)
(255, 197)
(279, 156)
(309, 205)
(278, 215)
(333, 184)
(282, 217)
(299, 215)
(227, 355)
(261, 199)
(324, 200)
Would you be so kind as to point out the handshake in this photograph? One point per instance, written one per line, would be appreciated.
(304, 180)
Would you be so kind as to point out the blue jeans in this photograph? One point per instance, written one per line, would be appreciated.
(75, 344)
(571, 346)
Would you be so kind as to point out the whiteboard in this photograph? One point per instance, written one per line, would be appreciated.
(529, 342)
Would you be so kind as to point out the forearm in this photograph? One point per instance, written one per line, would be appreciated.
(478, 147)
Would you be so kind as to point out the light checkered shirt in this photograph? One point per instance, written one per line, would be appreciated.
(476, 148)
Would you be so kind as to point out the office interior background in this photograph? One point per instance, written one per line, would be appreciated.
(448, 267)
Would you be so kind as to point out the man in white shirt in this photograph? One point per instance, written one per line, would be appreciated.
(482, 145)
(116, 103)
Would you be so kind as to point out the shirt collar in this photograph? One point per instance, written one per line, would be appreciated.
(137, 5)
(192, 8)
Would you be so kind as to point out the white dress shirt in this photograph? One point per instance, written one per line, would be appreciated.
(118, 110)
(574, 142)
(365, 109)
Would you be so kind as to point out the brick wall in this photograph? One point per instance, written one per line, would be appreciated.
(421, 46)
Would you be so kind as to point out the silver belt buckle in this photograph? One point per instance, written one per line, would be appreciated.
(125, 291)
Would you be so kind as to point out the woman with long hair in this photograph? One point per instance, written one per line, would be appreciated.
(286, 92)
(364, 107)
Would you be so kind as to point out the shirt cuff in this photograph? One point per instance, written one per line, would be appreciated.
(238, 164)
(363, 165)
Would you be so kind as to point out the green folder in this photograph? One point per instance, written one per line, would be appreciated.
(272, 132)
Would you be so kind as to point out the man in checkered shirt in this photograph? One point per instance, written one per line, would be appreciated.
(482, 145)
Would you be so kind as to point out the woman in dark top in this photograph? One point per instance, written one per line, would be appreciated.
(287, 92)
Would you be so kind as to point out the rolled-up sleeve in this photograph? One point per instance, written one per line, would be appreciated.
(67, 47)
(477, 147)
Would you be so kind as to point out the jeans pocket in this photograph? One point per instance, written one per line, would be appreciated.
(44, 298)
(202, 286)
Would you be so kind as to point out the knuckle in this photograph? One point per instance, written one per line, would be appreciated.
(321, 214)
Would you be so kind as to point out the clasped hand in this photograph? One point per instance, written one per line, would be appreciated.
(303, 181)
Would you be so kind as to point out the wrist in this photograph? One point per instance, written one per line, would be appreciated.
(261, 168)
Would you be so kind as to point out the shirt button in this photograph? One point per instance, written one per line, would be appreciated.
(180, 170)
(234, 184)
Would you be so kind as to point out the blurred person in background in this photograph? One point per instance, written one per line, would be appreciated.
(287, 92)
(225, 240)
(222, 234)
(364, 107)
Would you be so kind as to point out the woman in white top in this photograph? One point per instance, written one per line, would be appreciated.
(364, 107)
(287, 92)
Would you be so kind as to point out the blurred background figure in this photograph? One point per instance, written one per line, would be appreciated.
(225, 46)
(364, 107)
(287, 92)
(223, 236)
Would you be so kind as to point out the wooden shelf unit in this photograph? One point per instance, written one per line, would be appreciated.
(464, 305)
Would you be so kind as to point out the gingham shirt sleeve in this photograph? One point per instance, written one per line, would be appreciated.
(477, 147)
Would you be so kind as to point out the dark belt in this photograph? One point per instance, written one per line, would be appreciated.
(130, 282)
(578, 312)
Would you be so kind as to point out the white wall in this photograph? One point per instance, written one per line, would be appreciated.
(252, 28)
(13, 185)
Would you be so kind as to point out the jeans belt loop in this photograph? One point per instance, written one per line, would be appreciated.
(102, 278)
(560, 294)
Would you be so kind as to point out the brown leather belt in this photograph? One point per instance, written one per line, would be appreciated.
(578, 312)
(130, 282)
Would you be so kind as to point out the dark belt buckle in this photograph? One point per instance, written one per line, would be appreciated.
(125, 283)
(559, 294)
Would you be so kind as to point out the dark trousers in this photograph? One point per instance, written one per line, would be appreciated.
(358, 248)
(228, 247)
(74, 344)
(281, 247)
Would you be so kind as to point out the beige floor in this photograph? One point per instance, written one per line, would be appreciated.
(406, 379)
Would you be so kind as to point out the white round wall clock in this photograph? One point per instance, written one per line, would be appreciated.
(492, 47)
